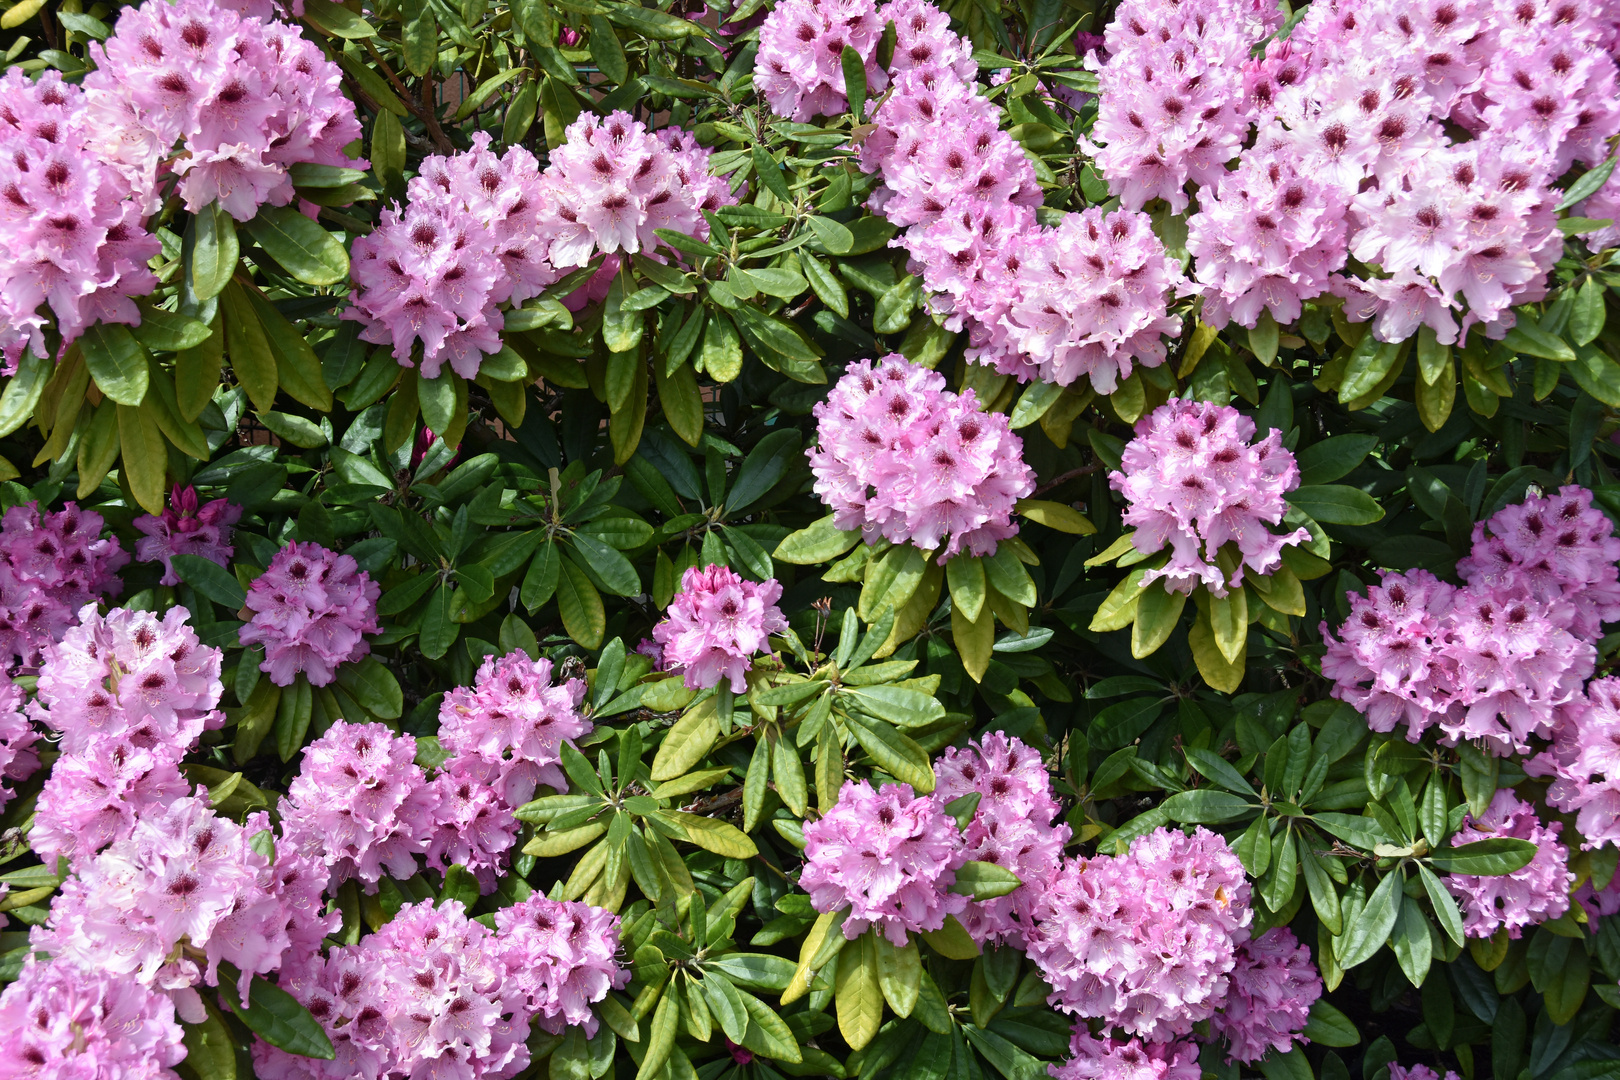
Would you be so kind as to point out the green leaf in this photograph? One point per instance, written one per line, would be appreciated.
(1214, 767)
(1158, 612)
(821, 542)
(1588, 184)
(1371, 927)
(896, 704)
(984, 880)
(1368, 364)
(210, 1051)
(952, 940)
(965, 577)
(1329, 459)
(373, 687)
(714, 835)
(212, 251)
(1445, 907)
(1336, 504)
(613, 568)
(859, 994)
(211, 580)
(893, 752)
(276, 1016)
(167, 331)
(764, 466)
(1498, 855)
(1009, 1060)
(1206, 806)
(116, 361)
(607, 52)
(579, 604)
(854, 70)
(23, 391)
(304, 249)
(1531, 340)
(834, 237)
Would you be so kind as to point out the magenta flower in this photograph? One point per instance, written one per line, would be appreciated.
(1011, 827)
(92, 800)
(902, 458)
(58, 1020)
(242, 99)
(18, 758)
(426, 990)
(562, 957)
(1585, 761)
(1144, 941)
(1125, 1059)
(1268, 998)
(716, 624)
(51, 566)
(799, 69)
(186, 529)
(508, 728)
(1531, 894)
(1194, 479)
(311, 611)
(888, 856)
(71, 230)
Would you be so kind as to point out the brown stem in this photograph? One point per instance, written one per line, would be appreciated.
(409, 100)
(430, 117)
(1059, 481)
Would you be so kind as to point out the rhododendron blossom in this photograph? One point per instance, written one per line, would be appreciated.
(716, 624)
(184, 528)
(1269, 996)
(1144, 941)
(229, 102)
(1011, 827)
(426, 993)
(51, 566)
(508, 728)
(58, 1020)
(1585, 760)
(72, 233)
(888, 856)
(311, 611)
(562, 956)
(1529, 895)
(799, 68)
(904, 459)
(1194, 479)
(18, 756)
(1126, 1059)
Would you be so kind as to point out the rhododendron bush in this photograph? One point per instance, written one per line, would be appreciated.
(881, 539)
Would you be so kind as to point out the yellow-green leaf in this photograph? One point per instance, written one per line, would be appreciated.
(859, 997)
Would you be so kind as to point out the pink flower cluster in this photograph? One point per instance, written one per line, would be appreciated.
(1126, 1059)
(888, 856)
(1145, 940)
(1194, 479)
(1504, 657)
(184, 874)
(1418, 1072)
(507, 729)
(1171, 107)
(128, 695)
(51, 566)
(799, 70)
(1269, 996)
(716, 624)
(1086, 299)
(480, 231)
(71, 222)
(311, 611)
(902, 458)
(228, 102)
(1354, 156)
(186, 529)
(59, 1021)
(427, 995)
(1585, 762)
(1558, 548)
(562, 956)
(362, 805)
(18, 758)
(1528, 896)
(1011, 827)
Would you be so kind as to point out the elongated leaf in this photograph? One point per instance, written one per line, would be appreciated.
(1498, 855)
(117, 362)
(304, 249)
(276, 1016)
(1336, 504)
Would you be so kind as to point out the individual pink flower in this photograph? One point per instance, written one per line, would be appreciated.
(888, 856)
(58, 1020)
(94, 799)
(1585, 761)
(51, 566)
(186, 529)
(474, 827)
(311, 611)
(716, 624)
(563, 957)
(1125, 1059)
(1144, 941)
(901, 458)
(508, 728)
(799, 69)
(1011, 827)
(1529, 895)
(1193, 478)
(1269, 996)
